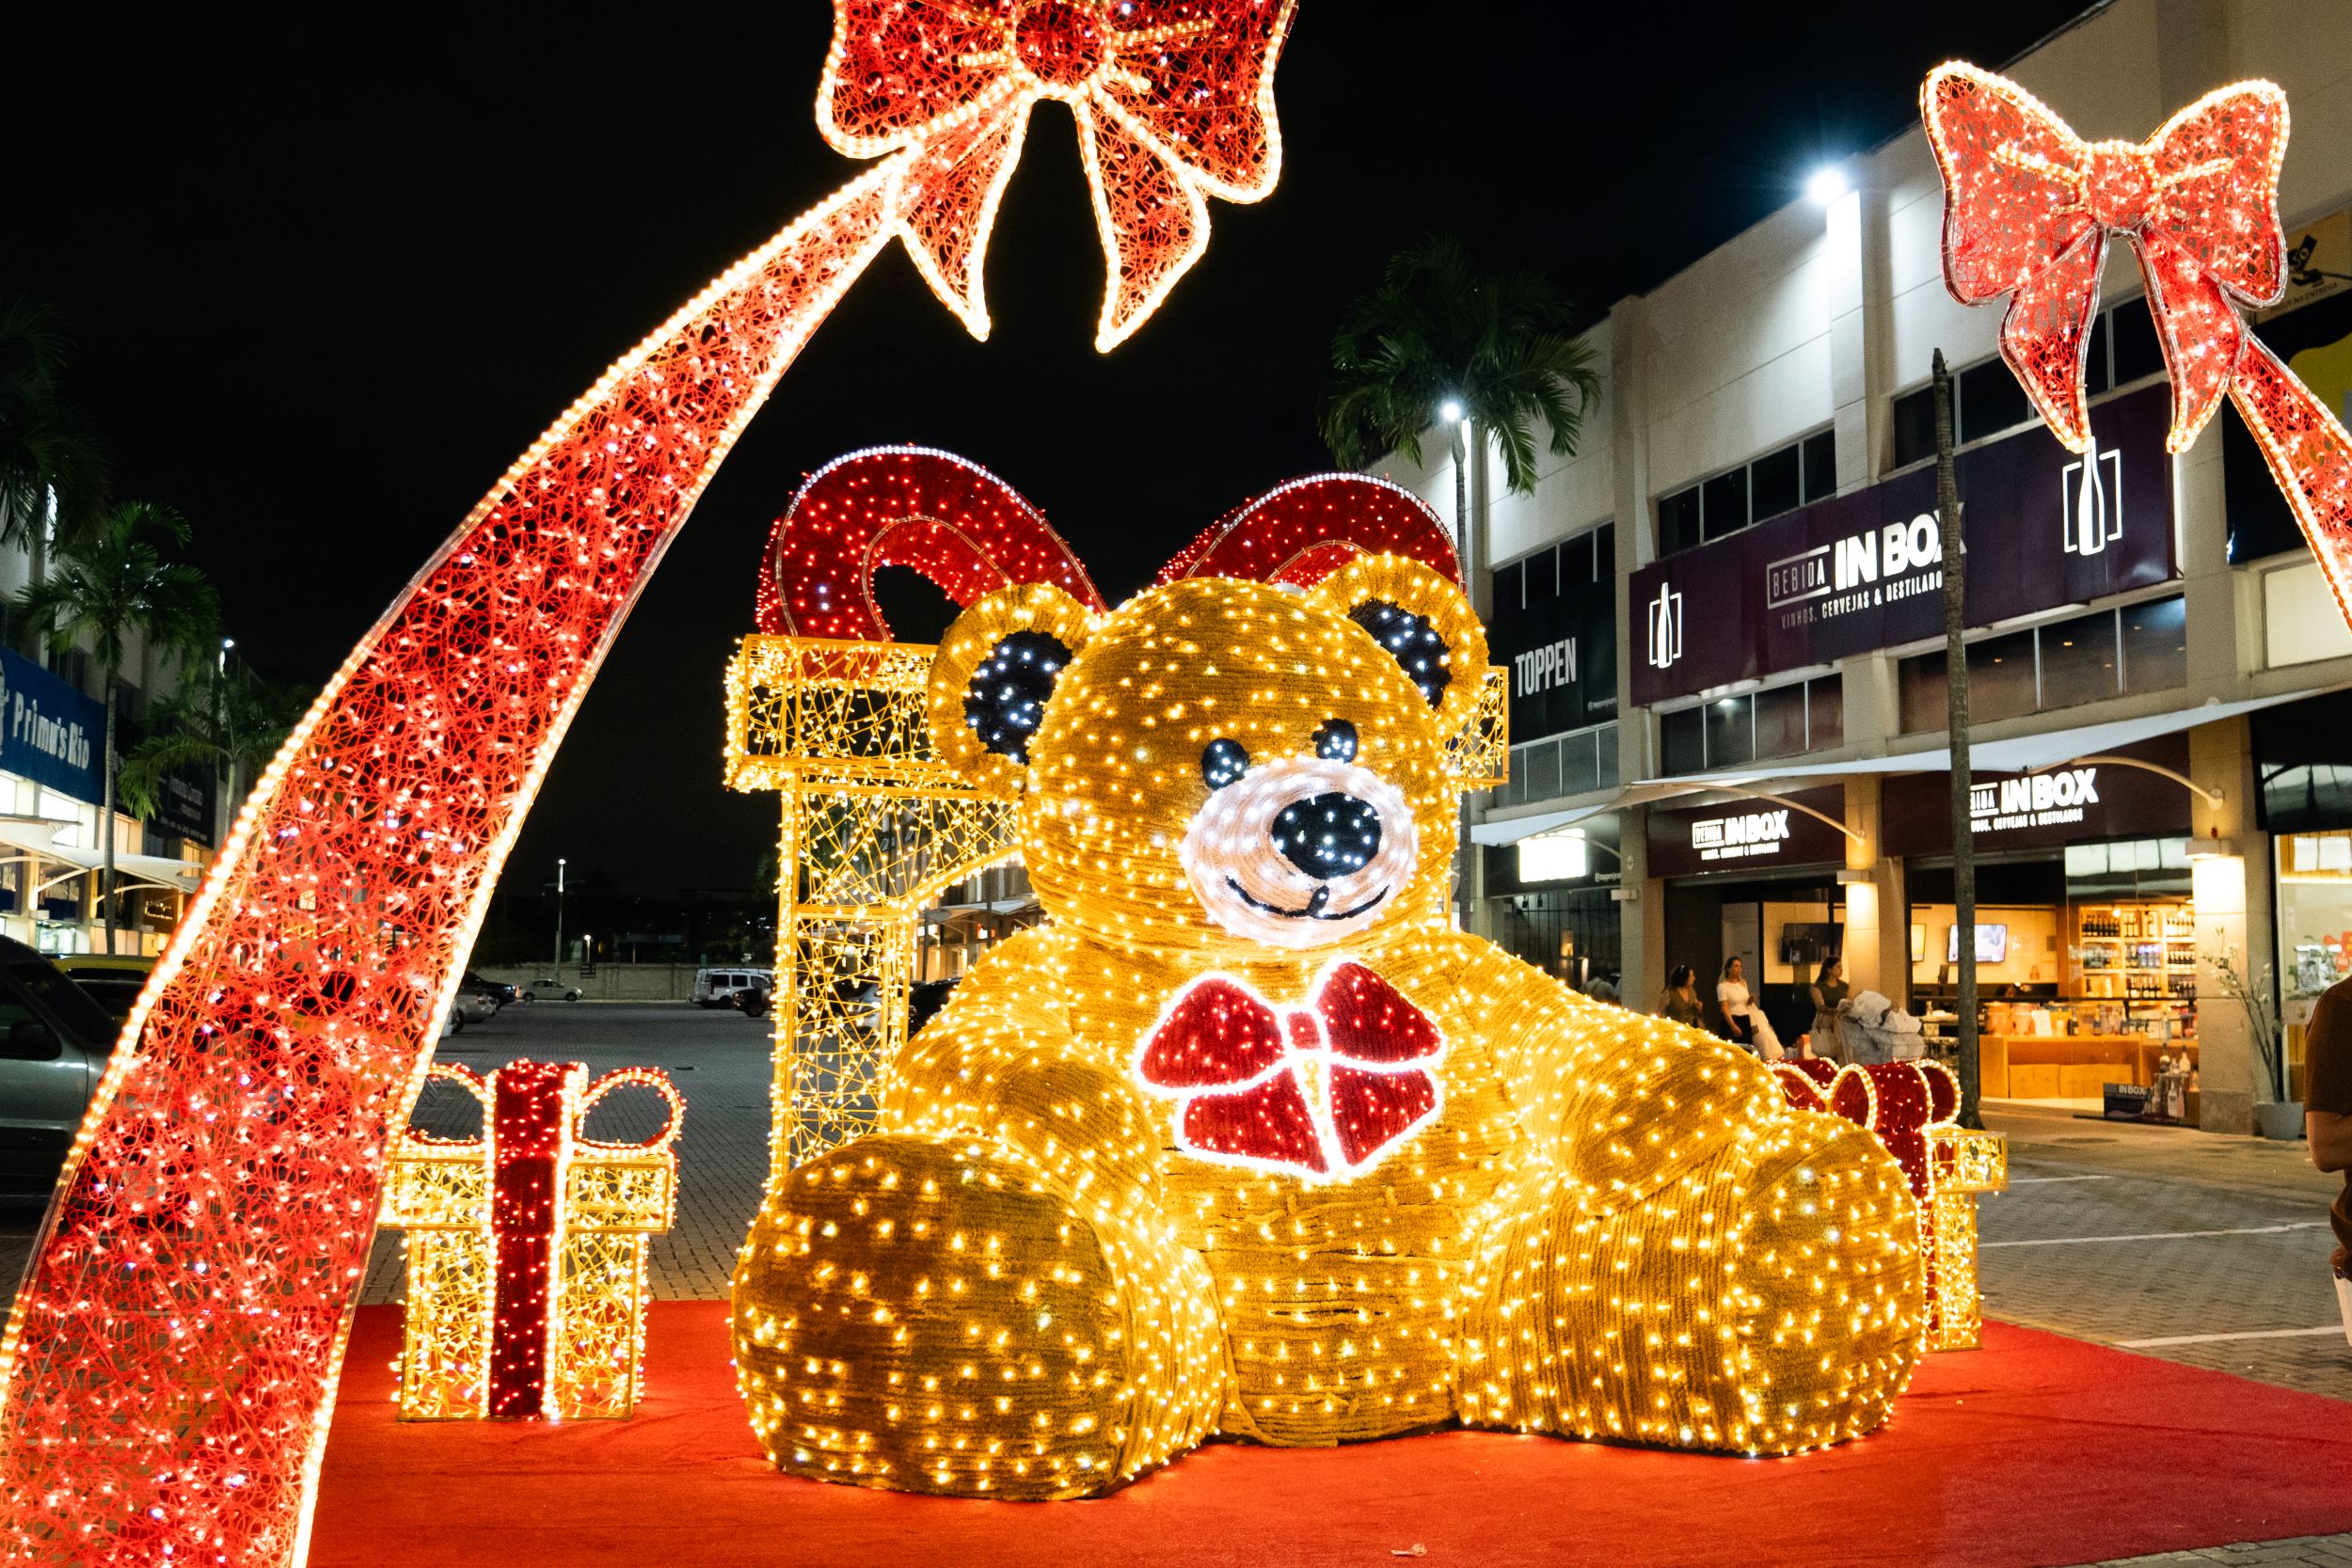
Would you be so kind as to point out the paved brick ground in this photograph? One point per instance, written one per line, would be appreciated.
(2167, 1242)
(2127, 1235)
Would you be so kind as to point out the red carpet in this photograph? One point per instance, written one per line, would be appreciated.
(2035, 1451)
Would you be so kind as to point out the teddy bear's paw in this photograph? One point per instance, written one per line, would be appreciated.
(1767, 1302)
(1828, 1293)
(938, 1316)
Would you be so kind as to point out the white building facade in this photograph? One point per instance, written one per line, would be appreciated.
(1723, 620)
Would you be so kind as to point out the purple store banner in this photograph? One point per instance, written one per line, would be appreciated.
(1858, 572)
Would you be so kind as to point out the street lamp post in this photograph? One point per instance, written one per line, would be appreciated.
(557, 980)
(224, 734)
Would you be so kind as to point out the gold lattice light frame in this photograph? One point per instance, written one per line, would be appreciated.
(874, 824)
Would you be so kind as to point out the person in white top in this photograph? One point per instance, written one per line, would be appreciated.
(1749, 1026)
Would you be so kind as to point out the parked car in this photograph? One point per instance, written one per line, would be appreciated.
(547, 987)
(55, 1039)
(752, 1000)
(469, 1006)
(716, 988)
(500, 992)
(113, 980)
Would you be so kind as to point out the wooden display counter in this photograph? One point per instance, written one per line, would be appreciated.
(2068, 1067)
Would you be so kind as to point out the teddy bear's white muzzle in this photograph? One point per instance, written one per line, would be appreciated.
(1302, 853)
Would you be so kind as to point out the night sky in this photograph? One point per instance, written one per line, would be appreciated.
(328, 284)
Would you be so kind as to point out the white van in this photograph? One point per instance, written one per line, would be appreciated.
(716, 988)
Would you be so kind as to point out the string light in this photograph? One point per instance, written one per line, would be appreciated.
(1187, 1159)
(526, 1284)
(2028, 207)
(1911, 1106)
(182, 1320)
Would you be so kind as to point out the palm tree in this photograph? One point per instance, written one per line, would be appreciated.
(108, 582)
(1500, 347)
(227, 723)
(46, 449)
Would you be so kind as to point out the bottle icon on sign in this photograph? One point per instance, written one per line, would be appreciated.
(1665, 627)
(2092, 497)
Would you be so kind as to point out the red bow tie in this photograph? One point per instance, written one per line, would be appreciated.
(1324, 1090)
(2029, 206)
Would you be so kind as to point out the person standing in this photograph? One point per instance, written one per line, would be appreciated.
(1749, 1026)
(1681, 1003)
(2327, 1117)
(1829, 989)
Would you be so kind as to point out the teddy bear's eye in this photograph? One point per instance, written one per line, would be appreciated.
(1223, 762)
(1336, 741)
(1005, 702)
(1412, 641)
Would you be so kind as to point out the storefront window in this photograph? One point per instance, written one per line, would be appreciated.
(2079, 661)
(2085, 970)
(1730, 733)
(2057, 666)
(1780, 720)
(2314, 929)
(1724, 503)
(1683, 737)
(2002, 678)
(1825, 709)
(2155, 645)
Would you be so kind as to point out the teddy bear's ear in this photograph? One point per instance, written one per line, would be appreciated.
(1423, 620)
(997, 669)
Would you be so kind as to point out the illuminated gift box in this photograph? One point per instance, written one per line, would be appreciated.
(1910, 1105)
(521, 1305)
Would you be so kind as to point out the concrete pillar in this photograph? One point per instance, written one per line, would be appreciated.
(2235, 922)
(1640, 913)
(1848, 338)
(1627, 406)
(1877, 937)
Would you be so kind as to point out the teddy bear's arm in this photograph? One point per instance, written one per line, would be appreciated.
(1002, 1061)
(1623, 1101)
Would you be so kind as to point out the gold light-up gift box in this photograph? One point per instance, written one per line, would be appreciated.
(519, 1308)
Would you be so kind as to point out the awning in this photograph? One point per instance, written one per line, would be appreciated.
(31, 836)
(1512, 830)
(2018, 754)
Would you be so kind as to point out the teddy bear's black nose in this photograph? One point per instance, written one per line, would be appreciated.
(1328, 835)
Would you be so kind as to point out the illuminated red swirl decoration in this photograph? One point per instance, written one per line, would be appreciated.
(943, 515)
(167, 1371)
(1302, 532)
(2027, 211)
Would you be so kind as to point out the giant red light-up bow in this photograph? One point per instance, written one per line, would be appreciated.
(168, 1367)
(2028, 207)
(1174, 101)
(1323, 1090)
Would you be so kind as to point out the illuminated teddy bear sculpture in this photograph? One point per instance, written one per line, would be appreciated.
(1249, 1139)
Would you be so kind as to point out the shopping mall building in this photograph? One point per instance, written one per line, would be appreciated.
(1724, 623)
(53, 731)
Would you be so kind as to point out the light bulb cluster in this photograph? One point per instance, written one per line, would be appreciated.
(525, 1277)
(2028, 207)
(227, 1179)
(1152, 1175)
